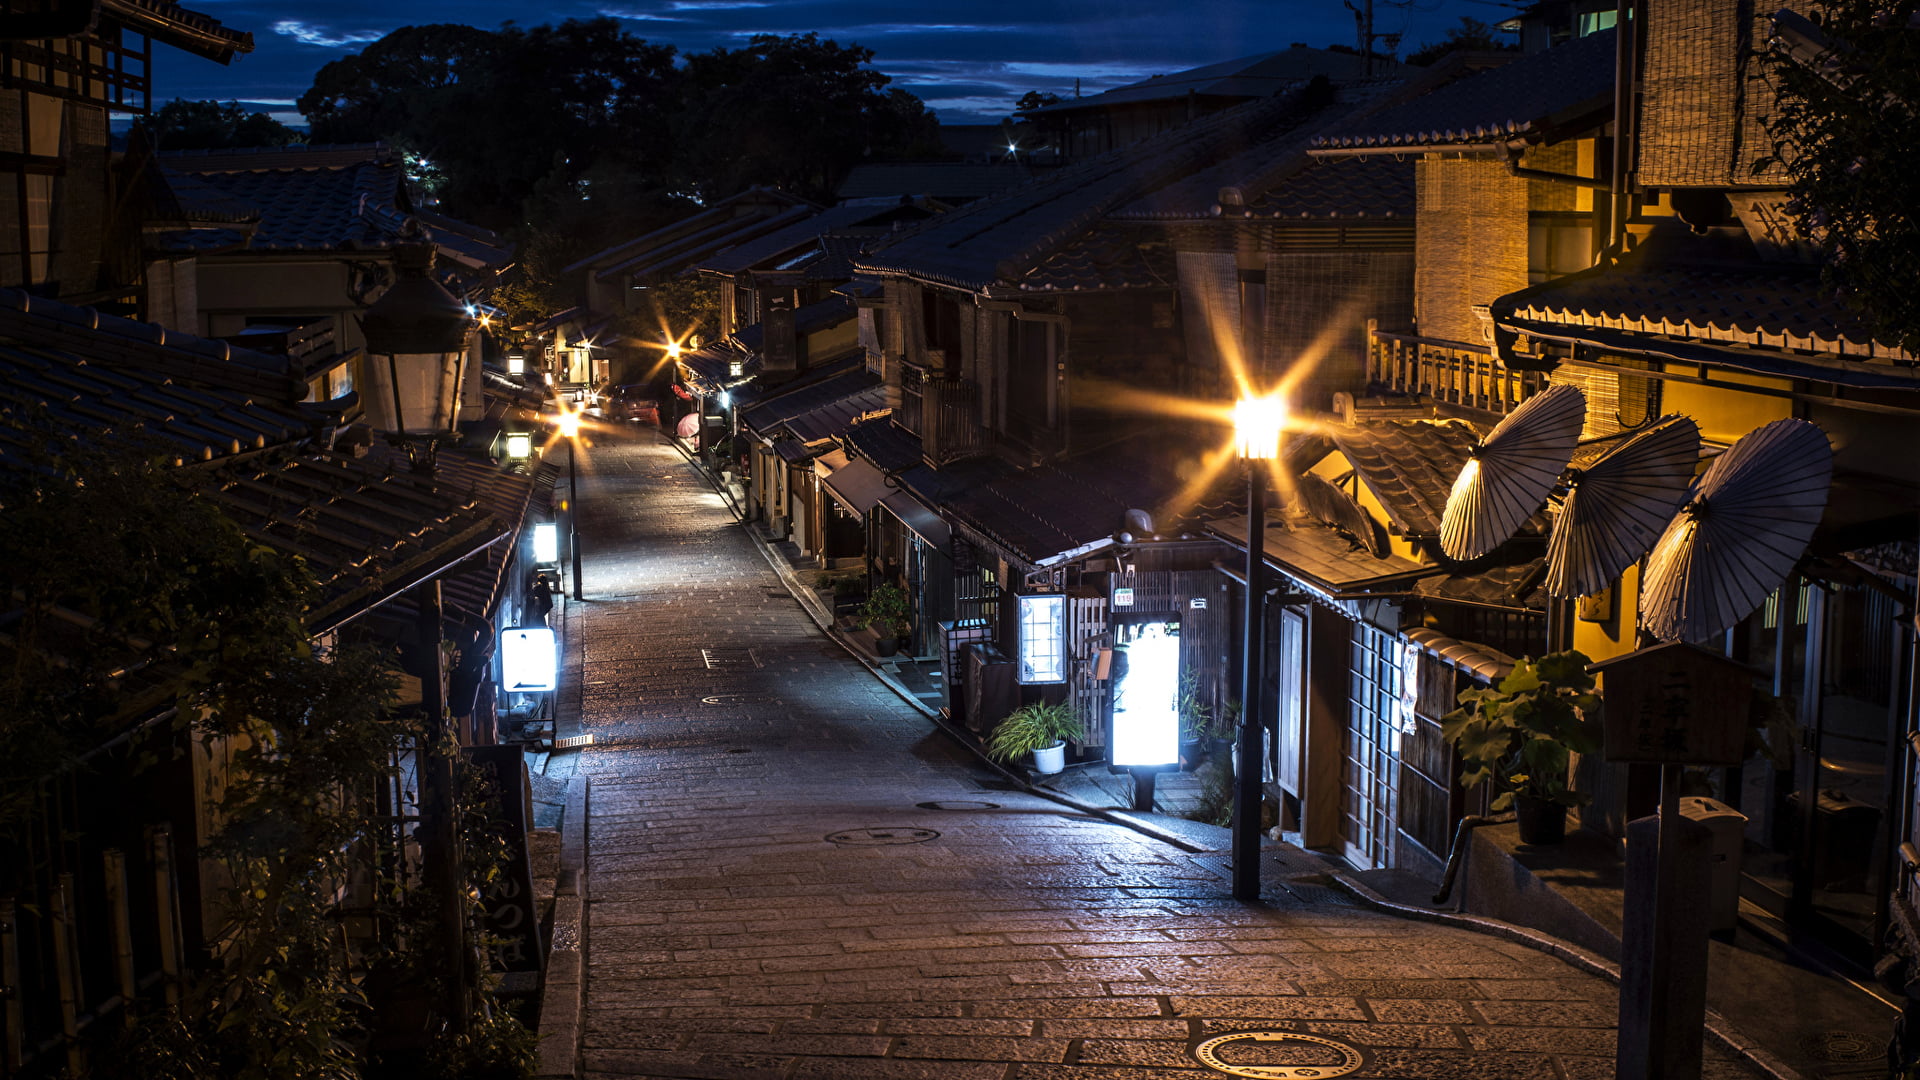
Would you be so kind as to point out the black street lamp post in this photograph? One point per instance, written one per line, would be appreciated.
(1257, 424)
(570, 429)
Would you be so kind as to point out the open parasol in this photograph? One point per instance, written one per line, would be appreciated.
(1617, 507)
(1511, 472)
(1743, 528)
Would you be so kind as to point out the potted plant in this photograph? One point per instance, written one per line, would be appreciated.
(885, 612)
(1520, 734)
(1040, 729)
(1205, 731)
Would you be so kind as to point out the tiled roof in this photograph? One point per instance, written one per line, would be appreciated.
(1258, 76)
(1322, 559)
(1530, 99)
(1488, 663)
(1041, 513)
(1001, 238)
(953, 182)
(1342, 189)
(1266, 165)
(678, 246)
(116, 378)
(1107, 259)
(806, 233)
(889, 446)
(809, 392)
(834, 417)
(1511, 588)
(203, 35)
(1409, 466)
(1755, 316)
(301, 206)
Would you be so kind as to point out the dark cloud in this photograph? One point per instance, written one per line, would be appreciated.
(968, 60)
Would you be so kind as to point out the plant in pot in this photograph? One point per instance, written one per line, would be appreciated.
(1040, 729)
(1520, 735)
(885, 613)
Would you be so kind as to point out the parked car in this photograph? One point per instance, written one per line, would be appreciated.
(634, 401)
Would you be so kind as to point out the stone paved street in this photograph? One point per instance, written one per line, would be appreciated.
(776, 890)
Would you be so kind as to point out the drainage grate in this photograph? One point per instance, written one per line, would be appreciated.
(1317, 889)
(880, 836)
(1845, 1047)
(729, 656)
(1278, 1055)
(572, 742)
(958, 804)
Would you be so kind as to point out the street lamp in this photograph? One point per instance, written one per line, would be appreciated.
(417, 335)
(569, 424)
(1257, 423)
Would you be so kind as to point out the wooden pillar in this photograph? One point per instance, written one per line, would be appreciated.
(1328, 656)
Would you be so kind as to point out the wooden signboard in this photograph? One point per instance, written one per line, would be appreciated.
(512, 918)
(1675, 704)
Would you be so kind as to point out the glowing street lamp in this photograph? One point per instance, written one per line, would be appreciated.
(1257, 424)
(569, 424)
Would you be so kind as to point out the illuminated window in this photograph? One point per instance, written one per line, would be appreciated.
(1043, 639)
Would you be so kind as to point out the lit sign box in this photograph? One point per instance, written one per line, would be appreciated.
(546, 543)
(1043, 639)
(519, 445)
(529, 660)
(516, 363)
(1146, 707)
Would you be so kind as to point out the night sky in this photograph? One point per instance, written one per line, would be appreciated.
(969, 61)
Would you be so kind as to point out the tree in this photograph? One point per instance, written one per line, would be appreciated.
(1471, 35)
(791, 112)
(1035, 99)
(1843, 127)
(209, 125)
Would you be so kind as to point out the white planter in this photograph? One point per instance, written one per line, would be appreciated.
(1050, 759)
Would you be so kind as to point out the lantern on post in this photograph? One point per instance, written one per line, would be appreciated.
(417, 335)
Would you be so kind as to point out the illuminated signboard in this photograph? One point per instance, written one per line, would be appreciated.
(529, 660)
(546, 543)
(1043, 639)
(1146, 693)
(519, 445)
(516, 363)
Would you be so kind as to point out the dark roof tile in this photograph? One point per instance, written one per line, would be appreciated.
(1527, 99)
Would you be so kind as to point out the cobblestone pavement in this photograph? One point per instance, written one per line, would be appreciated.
(793, 875)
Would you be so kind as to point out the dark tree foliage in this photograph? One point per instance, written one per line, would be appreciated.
(210, 125)
(1035, 99)
(790, 112)
(1471, 35)
(1844, 127)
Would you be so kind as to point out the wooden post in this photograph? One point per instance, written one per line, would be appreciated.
(115, 863)
(439, 836)
(67, 973)
(166, 905)
(10, 982)
(1663, 959)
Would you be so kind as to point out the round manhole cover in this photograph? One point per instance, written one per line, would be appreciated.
(958, 804)
(1272, 1055)
(1845, 1046)
(878, 836)
(735, 699)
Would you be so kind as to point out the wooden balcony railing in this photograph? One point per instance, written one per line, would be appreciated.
(1449, 372)
(950, 419)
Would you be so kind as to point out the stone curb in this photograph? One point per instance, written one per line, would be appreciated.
(1723, 1032)
(1731, 1038)
(563, 991)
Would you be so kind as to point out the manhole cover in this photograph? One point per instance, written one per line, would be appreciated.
(1845, 1046)
(1270, 1055)
(958, 804)
(735, 699)
(878, 836)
